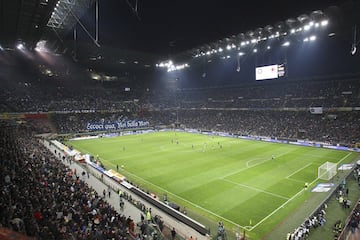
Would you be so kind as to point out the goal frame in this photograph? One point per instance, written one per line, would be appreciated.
(327, 171)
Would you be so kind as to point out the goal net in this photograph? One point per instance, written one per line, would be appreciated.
(327, 170)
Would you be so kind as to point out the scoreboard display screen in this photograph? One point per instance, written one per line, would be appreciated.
(270, 72)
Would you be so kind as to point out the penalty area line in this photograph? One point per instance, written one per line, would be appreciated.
(257, 164)
(256, 189)
(343, 158)
(299, 170)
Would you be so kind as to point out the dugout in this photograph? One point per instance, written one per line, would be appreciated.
(171, 211)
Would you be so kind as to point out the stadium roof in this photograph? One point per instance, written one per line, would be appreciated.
(159, 27)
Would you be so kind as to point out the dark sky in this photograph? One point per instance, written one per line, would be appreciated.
(172, 26)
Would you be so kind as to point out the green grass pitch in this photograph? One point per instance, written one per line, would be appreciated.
(233, 180)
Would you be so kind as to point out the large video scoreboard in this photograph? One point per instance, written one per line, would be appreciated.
(270, 72)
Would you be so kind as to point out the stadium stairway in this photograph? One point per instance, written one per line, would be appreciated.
(94, 180)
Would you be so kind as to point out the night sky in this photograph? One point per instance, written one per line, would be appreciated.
(172, 26)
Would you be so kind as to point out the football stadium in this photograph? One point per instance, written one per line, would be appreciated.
(154, 120)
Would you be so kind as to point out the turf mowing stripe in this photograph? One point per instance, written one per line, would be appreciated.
(255, 189)
(299, 170)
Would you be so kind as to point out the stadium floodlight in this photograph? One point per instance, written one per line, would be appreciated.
(20, 46)
(312, 38)
(220, 50)
(353, 49)
(242, 43)
(292, 31)
(228, 47)
(324, 23)
(354, 44)
(208, 53)
(41, 46)
(307, 27)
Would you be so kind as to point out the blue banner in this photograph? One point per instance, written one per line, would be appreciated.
(110, 126)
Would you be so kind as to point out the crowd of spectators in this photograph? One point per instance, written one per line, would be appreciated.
(332, 128)
(292, 94)
(45, 95)
(302, 232)
(256, 109)
(43, 198)
(355, 218)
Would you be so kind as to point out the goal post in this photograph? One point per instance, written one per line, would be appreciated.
(327, 171)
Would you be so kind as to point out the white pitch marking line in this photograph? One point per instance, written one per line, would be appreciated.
(248, 167)
(256, 189)
(299, 170)
(343, 158)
